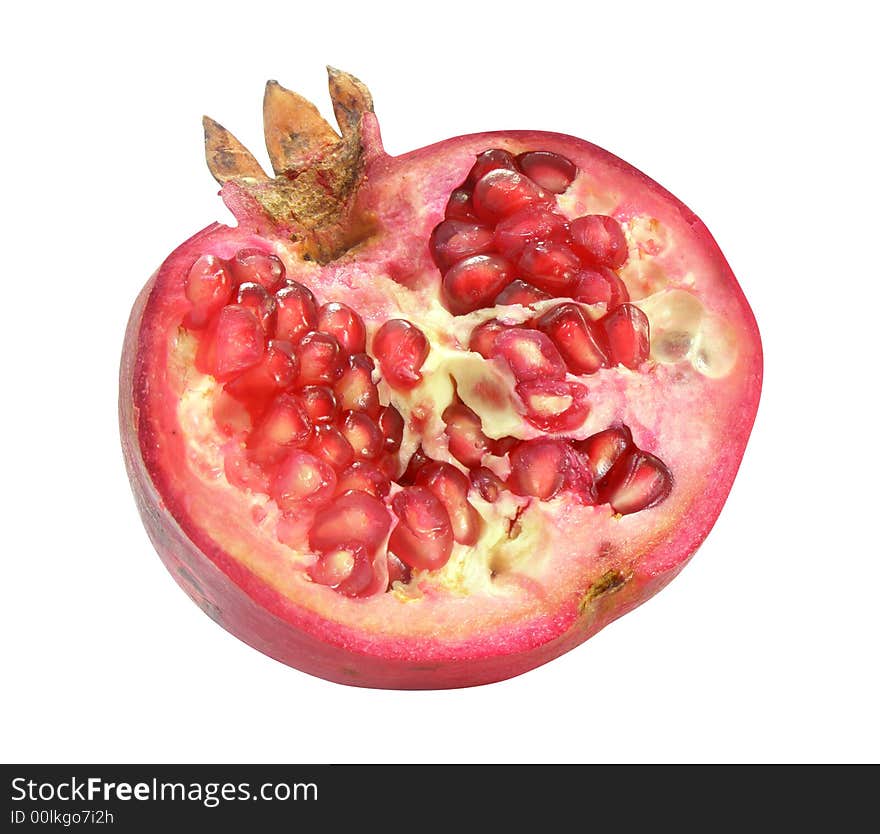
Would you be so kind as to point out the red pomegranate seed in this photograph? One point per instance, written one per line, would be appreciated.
(302, 478)
(340, 321)
(397, 571)
(284, 426)
(519, 292)
(255, 298)
(574, 335)
(297, 312)
(330, 445)
(550, 170)
(474, 282)
(637, 481)
(423, 537)
(487, 483)
(599, 240)
(244, 473)
(353, 517)
(363, 477)
(538, 468)
(401, 349)
(467, 443)
(254, 265)
(276, 371)
(503, 445)
(605, 448)
(451, 486)
(600, 286)
(487, 161)
(416, 462)
(208, 287)
(355, 389)
(483, 337)
(554, 405)
(627, 335)
(320, 359)
(530, 225)
(454, 240)
(460, 206)
(363, 434)
(235, 343)
(529, 353)
(319, 402)
(391, 425)
(347, 569)
(550, 266)
(502, 192)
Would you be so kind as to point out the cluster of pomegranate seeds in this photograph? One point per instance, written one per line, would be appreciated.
(299, 389)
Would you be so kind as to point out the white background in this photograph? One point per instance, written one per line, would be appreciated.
(761, 118)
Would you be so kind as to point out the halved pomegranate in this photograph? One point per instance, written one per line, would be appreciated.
(432, 420)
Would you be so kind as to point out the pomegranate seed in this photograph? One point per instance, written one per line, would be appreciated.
(319, 402)
(230, 415)
(451, 486)
(574, 335)
(363, 477)
(599, 240)
(487, 483)
(550, 266)
(284, 426)
(519, 292)
(467, 443)
(320, 359)
(538, 468)
(416, 462)
(391, 424)
(330, 445)
(244, 473)
(362, 433)
(605, 448)
(460, 206)
(627, 335)
(254, 265)
(454, 240)
(637, 481)
(352, 518)
(236, 342)
(501, 192)
(302, 478)
(340, 321)
(503, 445)
(274, 372)
(208, 287)
(554, 405)
(489, 161)
(483, 337)
(550, 170)
(297, 312)
(529, 353)
(600, 286)
(423, 537)
(255, 298)
(355, 389)
(346, 569)
(397, 571)
(530, 225)
(474, 282)
(401, 349)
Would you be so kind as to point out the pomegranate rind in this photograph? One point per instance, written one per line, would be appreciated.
(588, 596)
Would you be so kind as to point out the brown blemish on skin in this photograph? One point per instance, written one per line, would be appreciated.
(608, 583)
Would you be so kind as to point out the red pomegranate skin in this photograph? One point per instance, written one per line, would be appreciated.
(189, 523)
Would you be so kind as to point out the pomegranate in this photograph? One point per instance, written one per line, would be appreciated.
(432, 420)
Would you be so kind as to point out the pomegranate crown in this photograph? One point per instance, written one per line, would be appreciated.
(317, 170)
